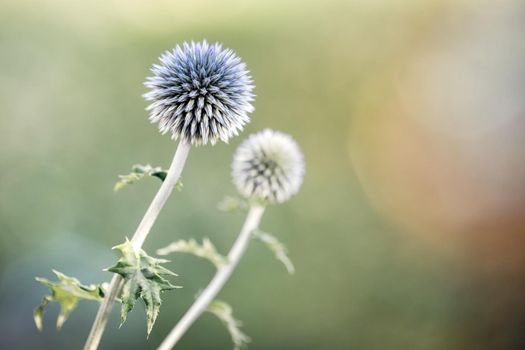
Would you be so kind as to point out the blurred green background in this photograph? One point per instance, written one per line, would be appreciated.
(407, 233)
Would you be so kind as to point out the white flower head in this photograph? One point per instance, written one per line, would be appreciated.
(268, 166)
(201, 93)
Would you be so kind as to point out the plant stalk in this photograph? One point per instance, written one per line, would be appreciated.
(174, 172)
(219, 280)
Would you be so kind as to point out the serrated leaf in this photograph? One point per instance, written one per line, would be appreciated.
(67, 291)
(232, 204)
(138, 172)
(278, 248)
(205, 250)
(225, 313)
(144, 278)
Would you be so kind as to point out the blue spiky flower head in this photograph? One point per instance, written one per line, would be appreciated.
(202, 93)
(268, 166)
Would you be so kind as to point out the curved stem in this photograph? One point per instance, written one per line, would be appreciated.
(221, 277)
(137, 240)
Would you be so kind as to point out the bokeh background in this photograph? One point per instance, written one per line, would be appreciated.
(408, 232)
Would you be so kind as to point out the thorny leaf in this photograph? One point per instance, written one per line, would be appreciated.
(225, 313)
(232, 204)
(205, 250)
(138, 172)
(277, 247)
(67, 291)
(144, 278)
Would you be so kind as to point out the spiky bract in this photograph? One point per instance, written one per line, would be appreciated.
(268, 166)
(201, 93)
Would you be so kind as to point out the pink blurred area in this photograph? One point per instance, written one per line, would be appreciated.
(438, 140)
(438, 144)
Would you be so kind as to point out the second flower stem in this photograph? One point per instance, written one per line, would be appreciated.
(219, 280)
(174, 172)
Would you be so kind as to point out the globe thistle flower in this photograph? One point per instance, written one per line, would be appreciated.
(268, 166)
(200, 92)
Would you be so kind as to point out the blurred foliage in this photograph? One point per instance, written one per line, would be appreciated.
(278, 249)
(206, 250)
(225, 313)
(138, 172)
(67, 291)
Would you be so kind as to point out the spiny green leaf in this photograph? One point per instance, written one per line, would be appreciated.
(138, 172)
(278, 248)
(232, 204)
(144, 278)
(205, 250)
(225, 313)
(67, 291)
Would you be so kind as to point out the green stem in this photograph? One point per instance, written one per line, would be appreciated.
(174, 172)
(219, 280)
